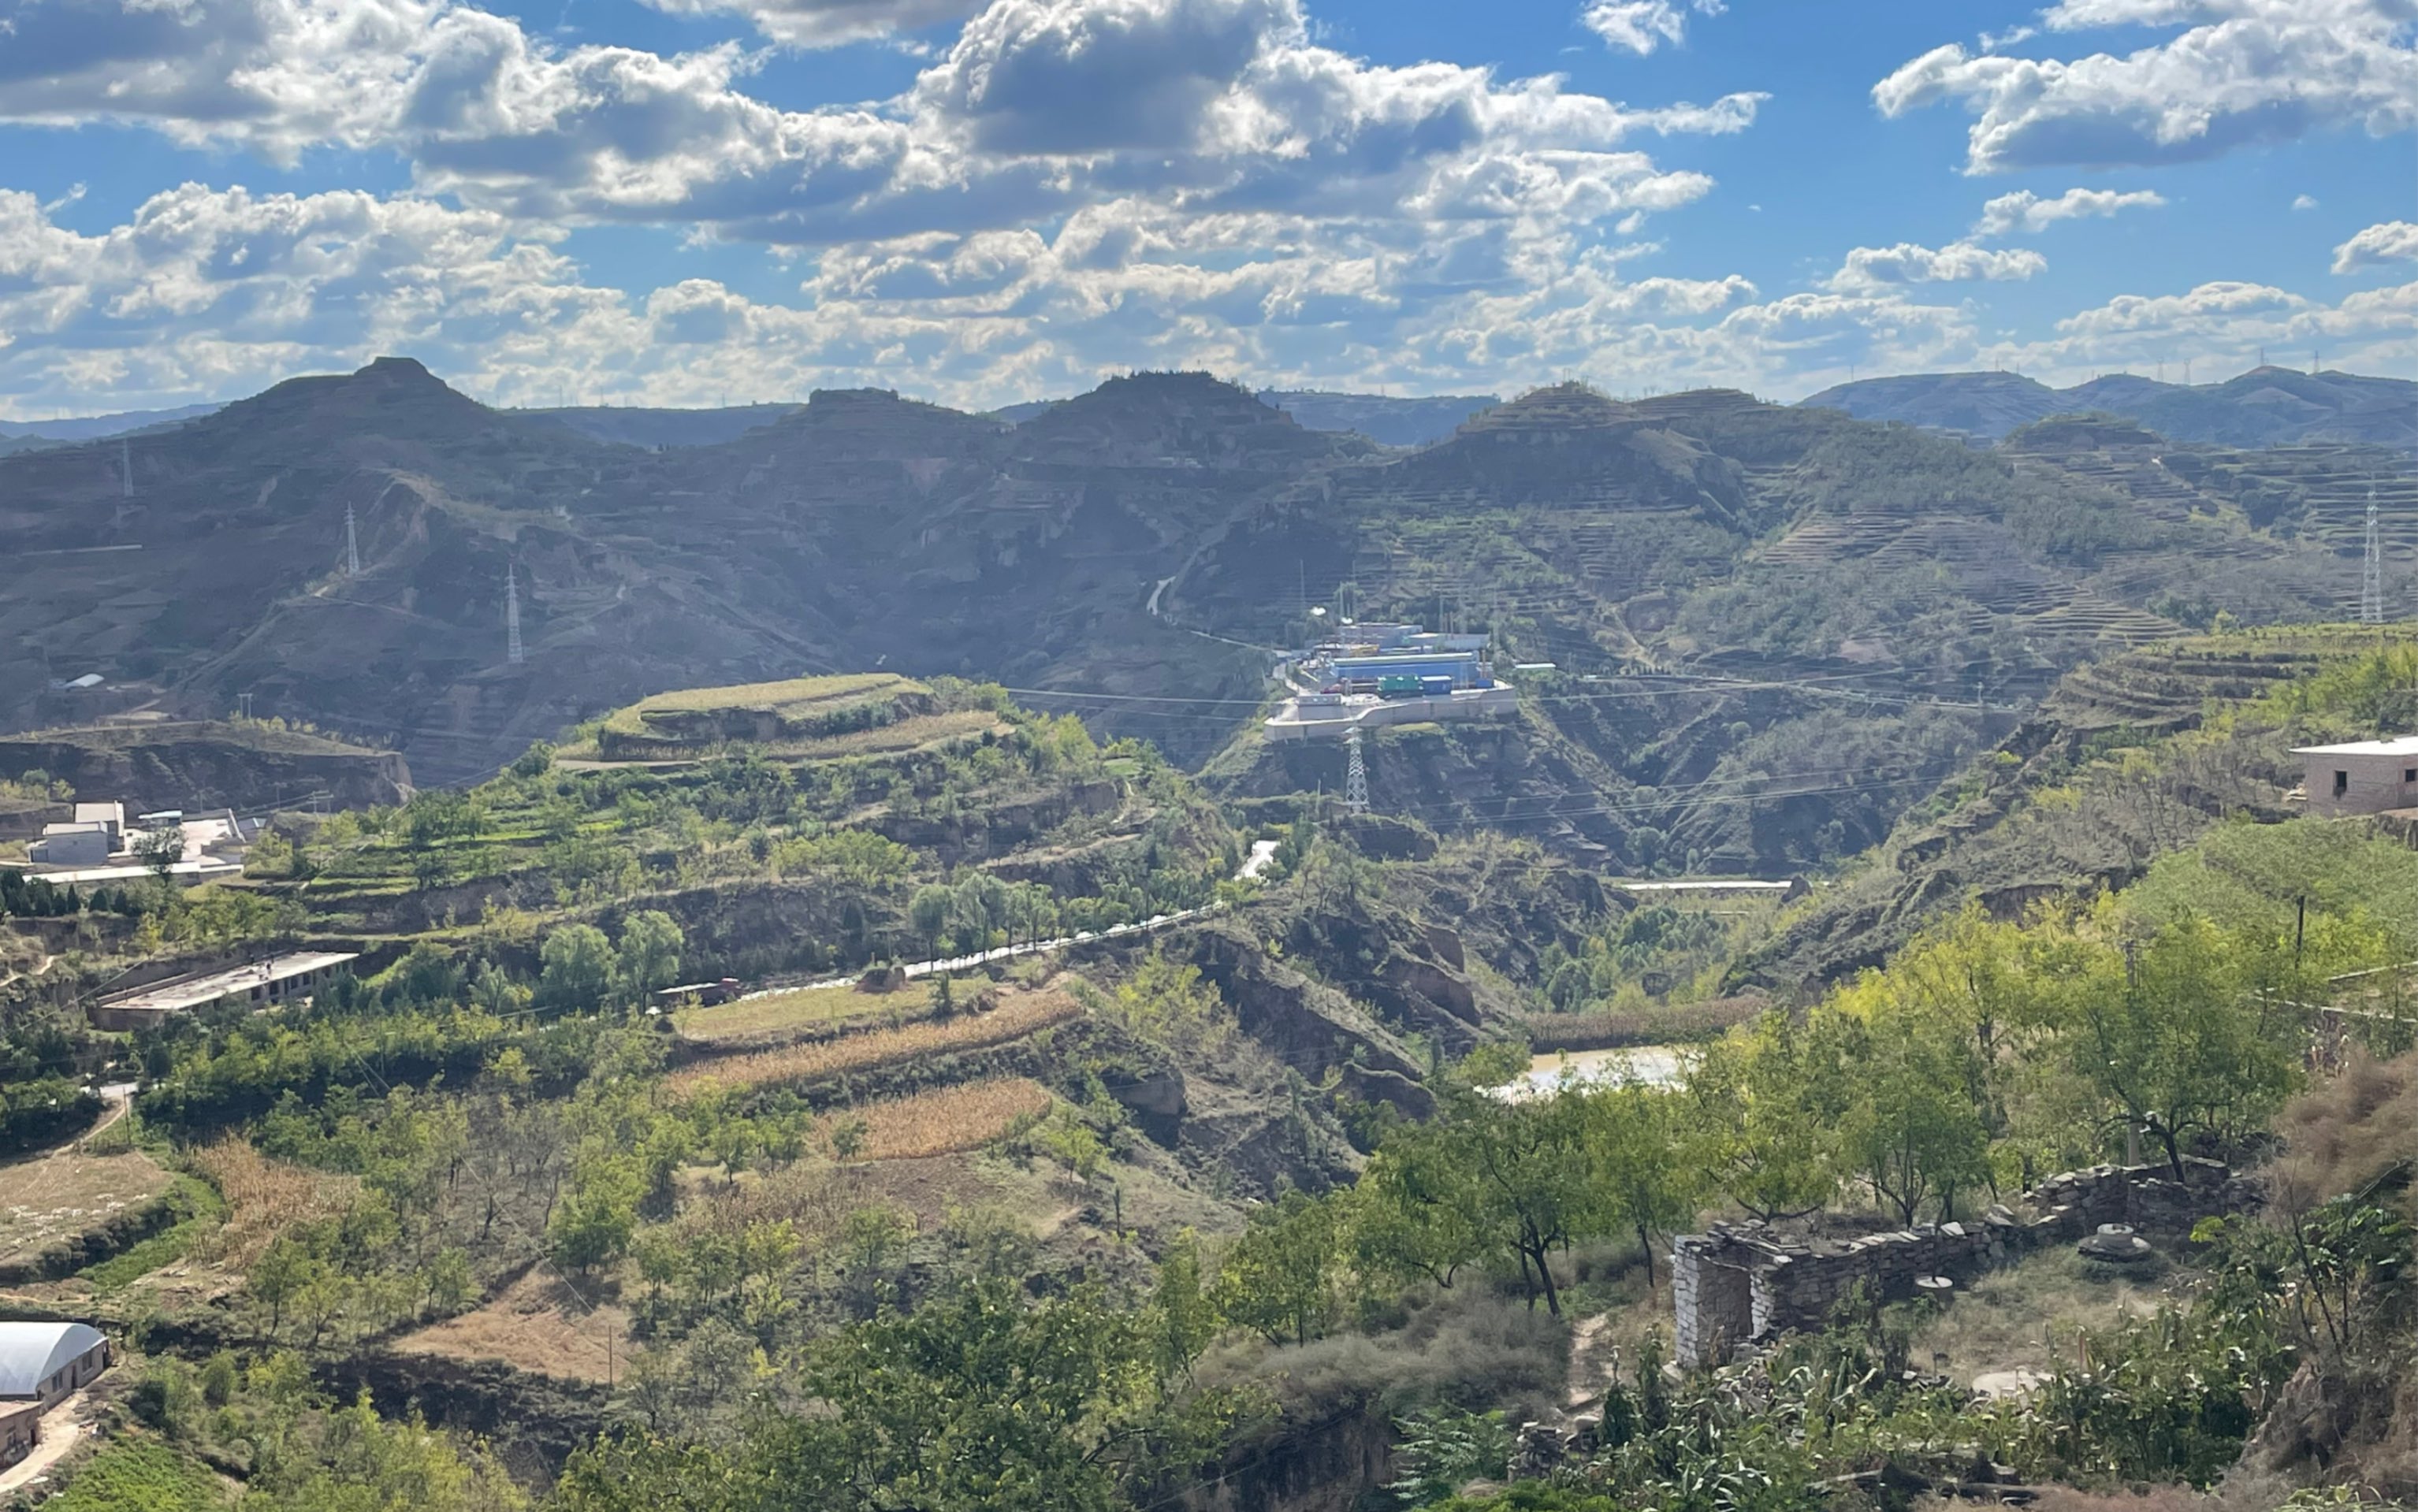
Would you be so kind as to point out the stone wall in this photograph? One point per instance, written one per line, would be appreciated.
(1735, 1284)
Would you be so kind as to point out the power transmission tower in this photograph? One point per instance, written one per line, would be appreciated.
(512, 616)
(352, 545)
(2371, 586)
(1356, 775)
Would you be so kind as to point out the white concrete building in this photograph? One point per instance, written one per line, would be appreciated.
(2360, 777)
(72, 845)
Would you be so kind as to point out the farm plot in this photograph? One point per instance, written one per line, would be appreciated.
(785, 1014)
(947, 1119)
(51, 1198)
(874, 1051)
(540, 1324)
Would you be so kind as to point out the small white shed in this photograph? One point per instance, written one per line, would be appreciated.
(2360, 777)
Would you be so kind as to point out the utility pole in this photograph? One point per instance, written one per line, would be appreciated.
(512, 616)
(2371, 586)
(352, 545)
(1355, 774)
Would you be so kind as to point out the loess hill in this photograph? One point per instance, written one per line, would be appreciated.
(1772, 627)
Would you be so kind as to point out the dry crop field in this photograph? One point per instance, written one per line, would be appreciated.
(873, 1050)
(538, 1324)
(265, 1198)
(949, 1119)
(69, 1192)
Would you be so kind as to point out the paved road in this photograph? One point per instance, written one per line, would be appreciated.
(1262, 852)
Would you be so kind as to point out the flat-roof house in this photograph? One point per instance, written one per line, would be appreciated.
(110, 817)
(2362, 776)
(263, 983)
(45, 1363)
(72, 845)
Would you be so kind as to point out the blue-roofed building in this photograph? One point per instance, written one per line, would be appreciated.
(1460, 666)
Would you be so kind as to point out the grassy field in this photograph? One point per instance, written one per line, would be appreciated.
(858, 1053)
(784, 1014)
(949, 1119)
(69, 1192)
(2025, 1317)
(795, 698)
(140, 1475)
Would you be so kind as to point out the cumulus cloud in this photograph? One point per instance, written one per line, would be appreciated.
(829, 23)
(2027, 211)
(1041, 107)
(2304, 202)
(1644, 26)
(1868, 269)
(2395, 241)
(2239, 74)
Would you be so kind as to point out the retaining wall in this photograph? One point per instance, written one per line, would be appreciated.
(1735, 1284)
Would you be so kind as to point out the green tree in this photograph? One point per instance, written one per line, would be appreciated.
(577, 964)
(1282, 1277)
(983, 1399)
(651, 951)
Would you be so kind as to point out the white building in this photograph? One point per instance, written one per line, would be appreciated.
(42, 1363)
(111, 816)
(2360, 777)
(72, 845)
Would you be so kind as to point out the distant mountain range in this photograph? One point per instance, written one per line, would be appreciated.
(1134, 549)
(23, 436)
(2265, 407)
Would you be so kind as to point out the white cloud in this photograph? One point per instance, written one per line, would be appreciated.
(1644, 26)
(2304, 202)
(1868, 269)
(2026, 211)
(2395, 241)
(2243, 72)
(829, 23)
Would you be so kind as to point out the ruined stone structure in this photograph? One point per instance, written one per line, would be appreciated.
(1736, 1284)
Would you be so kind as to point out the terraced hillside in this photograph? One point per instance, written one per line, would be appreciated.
(1790, 601)
(2127, 758)
(1771, 629)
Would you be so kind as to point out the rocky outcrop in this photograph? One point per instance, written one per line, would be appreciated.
(204, 765)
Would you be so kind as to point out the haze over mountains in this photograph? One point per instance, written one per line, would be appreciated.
(1891, 596)
(2265, 407)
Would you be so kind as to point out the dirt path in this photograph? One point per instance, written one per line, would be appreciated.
(63, 1428)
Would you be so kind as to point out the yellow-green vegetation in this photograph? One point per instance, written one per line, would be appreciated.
(2032, 1316)
(694, 721)
(781, 1014)
(140, 1475)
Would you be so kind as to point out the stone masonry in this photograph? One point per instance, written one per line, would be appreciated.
(1741, 1283)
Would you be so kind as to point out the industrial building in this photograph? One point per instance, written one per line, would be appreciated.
(1361, 673)
(72, 845)
(46, 1362)
(2360, 777)
(263, 983)
(1335, 716)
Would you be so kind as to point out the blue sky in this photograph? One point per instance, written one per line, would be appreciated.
(982, 201)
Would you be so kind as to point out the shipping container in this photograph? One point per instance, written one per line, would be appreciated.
(1436, 687)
